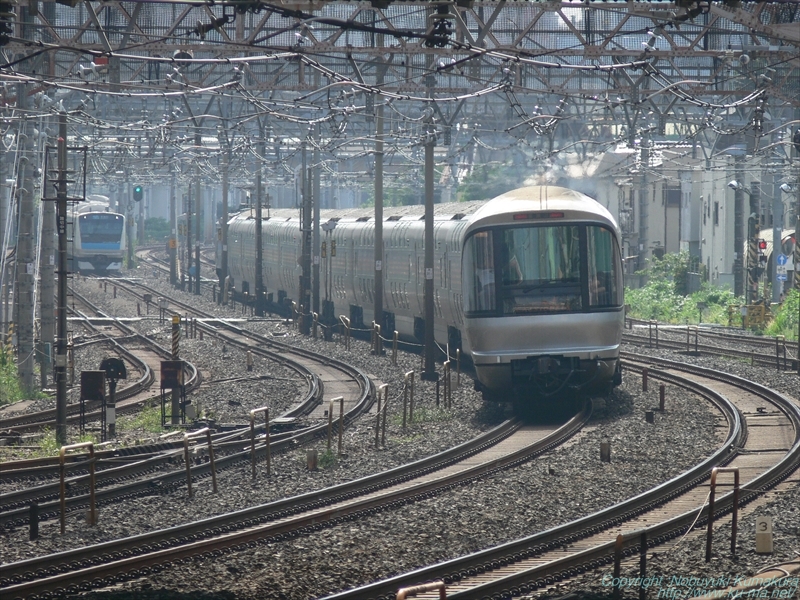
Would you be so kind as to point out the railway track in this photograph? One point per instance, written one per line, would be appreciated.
(776, 354)
(143, 354)
(314, 524)
(335, 378)
(763, 443)
(764, 351)
(95, 566)
(325, 378)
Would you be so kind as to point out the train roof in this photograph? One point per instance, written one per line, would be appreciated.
(89, 206)
(575, 205)
(534, 198)
(441, 211)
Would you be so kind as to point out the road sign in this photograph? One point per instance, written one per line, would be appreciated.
(781, 267)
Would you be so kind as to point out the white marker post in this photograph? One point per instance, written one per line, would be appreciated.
(764, 535)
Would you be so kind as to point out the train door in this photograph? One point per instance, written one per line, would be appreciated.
(455, 294)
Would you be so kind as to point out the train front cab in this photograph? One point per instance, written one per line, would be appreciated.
(100, 243)
(543, 306)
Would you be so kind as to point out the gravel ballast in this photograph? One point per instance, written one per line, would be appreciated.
(563, 485)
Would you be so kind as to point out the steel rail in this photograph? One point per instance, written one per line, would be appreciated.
(529, 580)
(241, 450)
(721, 333)
(537, 544)
(311, 399)
(39, 419)
(354, 497)
(163, 481)
(711, 350)
(36, 420)
(661, 532)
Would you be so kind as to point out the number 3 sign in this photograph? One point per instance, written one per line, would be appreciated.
(764, 535)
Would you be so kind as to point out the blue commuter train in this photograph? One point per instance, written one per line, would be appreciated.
(98, 238)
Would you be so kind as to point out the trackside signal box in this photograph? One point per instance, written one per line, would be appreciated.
(171, 373)
(172, 379)
(93, 389)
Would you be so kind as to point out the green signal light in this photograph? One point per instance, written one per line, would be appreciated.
(138, 193)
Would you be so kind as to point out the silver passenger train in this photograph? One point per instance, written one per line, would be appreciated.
(528, 285)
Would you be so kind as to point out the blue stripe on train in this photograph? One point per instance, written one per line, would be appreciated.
(100, 245)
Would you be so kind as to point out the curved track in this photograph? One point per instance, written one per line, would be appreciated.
(763, 444)
(505, 446)
(759, 350)
(326, 379)
(137, 350)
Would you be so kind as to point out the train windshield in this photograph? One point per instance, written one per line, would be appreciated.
(102, 229)
(541, 269)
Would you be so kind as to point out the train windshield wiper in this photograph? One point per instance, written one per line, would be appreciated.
(539, 285)
(548, 285)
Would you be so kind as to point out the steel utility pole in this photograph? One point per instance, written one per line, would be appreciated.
(316, 242)
(796, 258)
(738, 231)
(259, 282)
(140, 223)
(752, 249)
(777, 230)
(305, 227)
(198, 202)
(188, 265)
(173, 238)
(129, 221)
(429, 372)
(378, 316)
(61, 340)
(644, 202)
(5, 212)
(223, 271)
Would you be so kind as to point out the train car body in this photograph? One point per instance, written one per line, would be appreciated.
(98, 239)
(529, 285)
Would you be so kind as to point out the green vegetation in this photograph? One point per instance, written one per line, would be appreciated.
(665, 298)
(488, 181)
(424, 414)
(49, 447)
(156, 230)
(785, 321)
(327, 460)
(148, 419)
(10, 390)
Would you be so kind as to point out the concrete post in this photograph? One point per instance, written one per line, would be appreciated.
(25, 251)
(378, 316)
(259, 282)
(47, 266)
(429, 371)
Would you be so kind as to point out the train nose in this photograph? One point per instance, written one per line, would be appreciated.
(544, 365)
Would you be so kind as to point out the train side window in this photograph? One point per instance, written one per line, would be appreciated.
(604, 271)
(478, 276)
